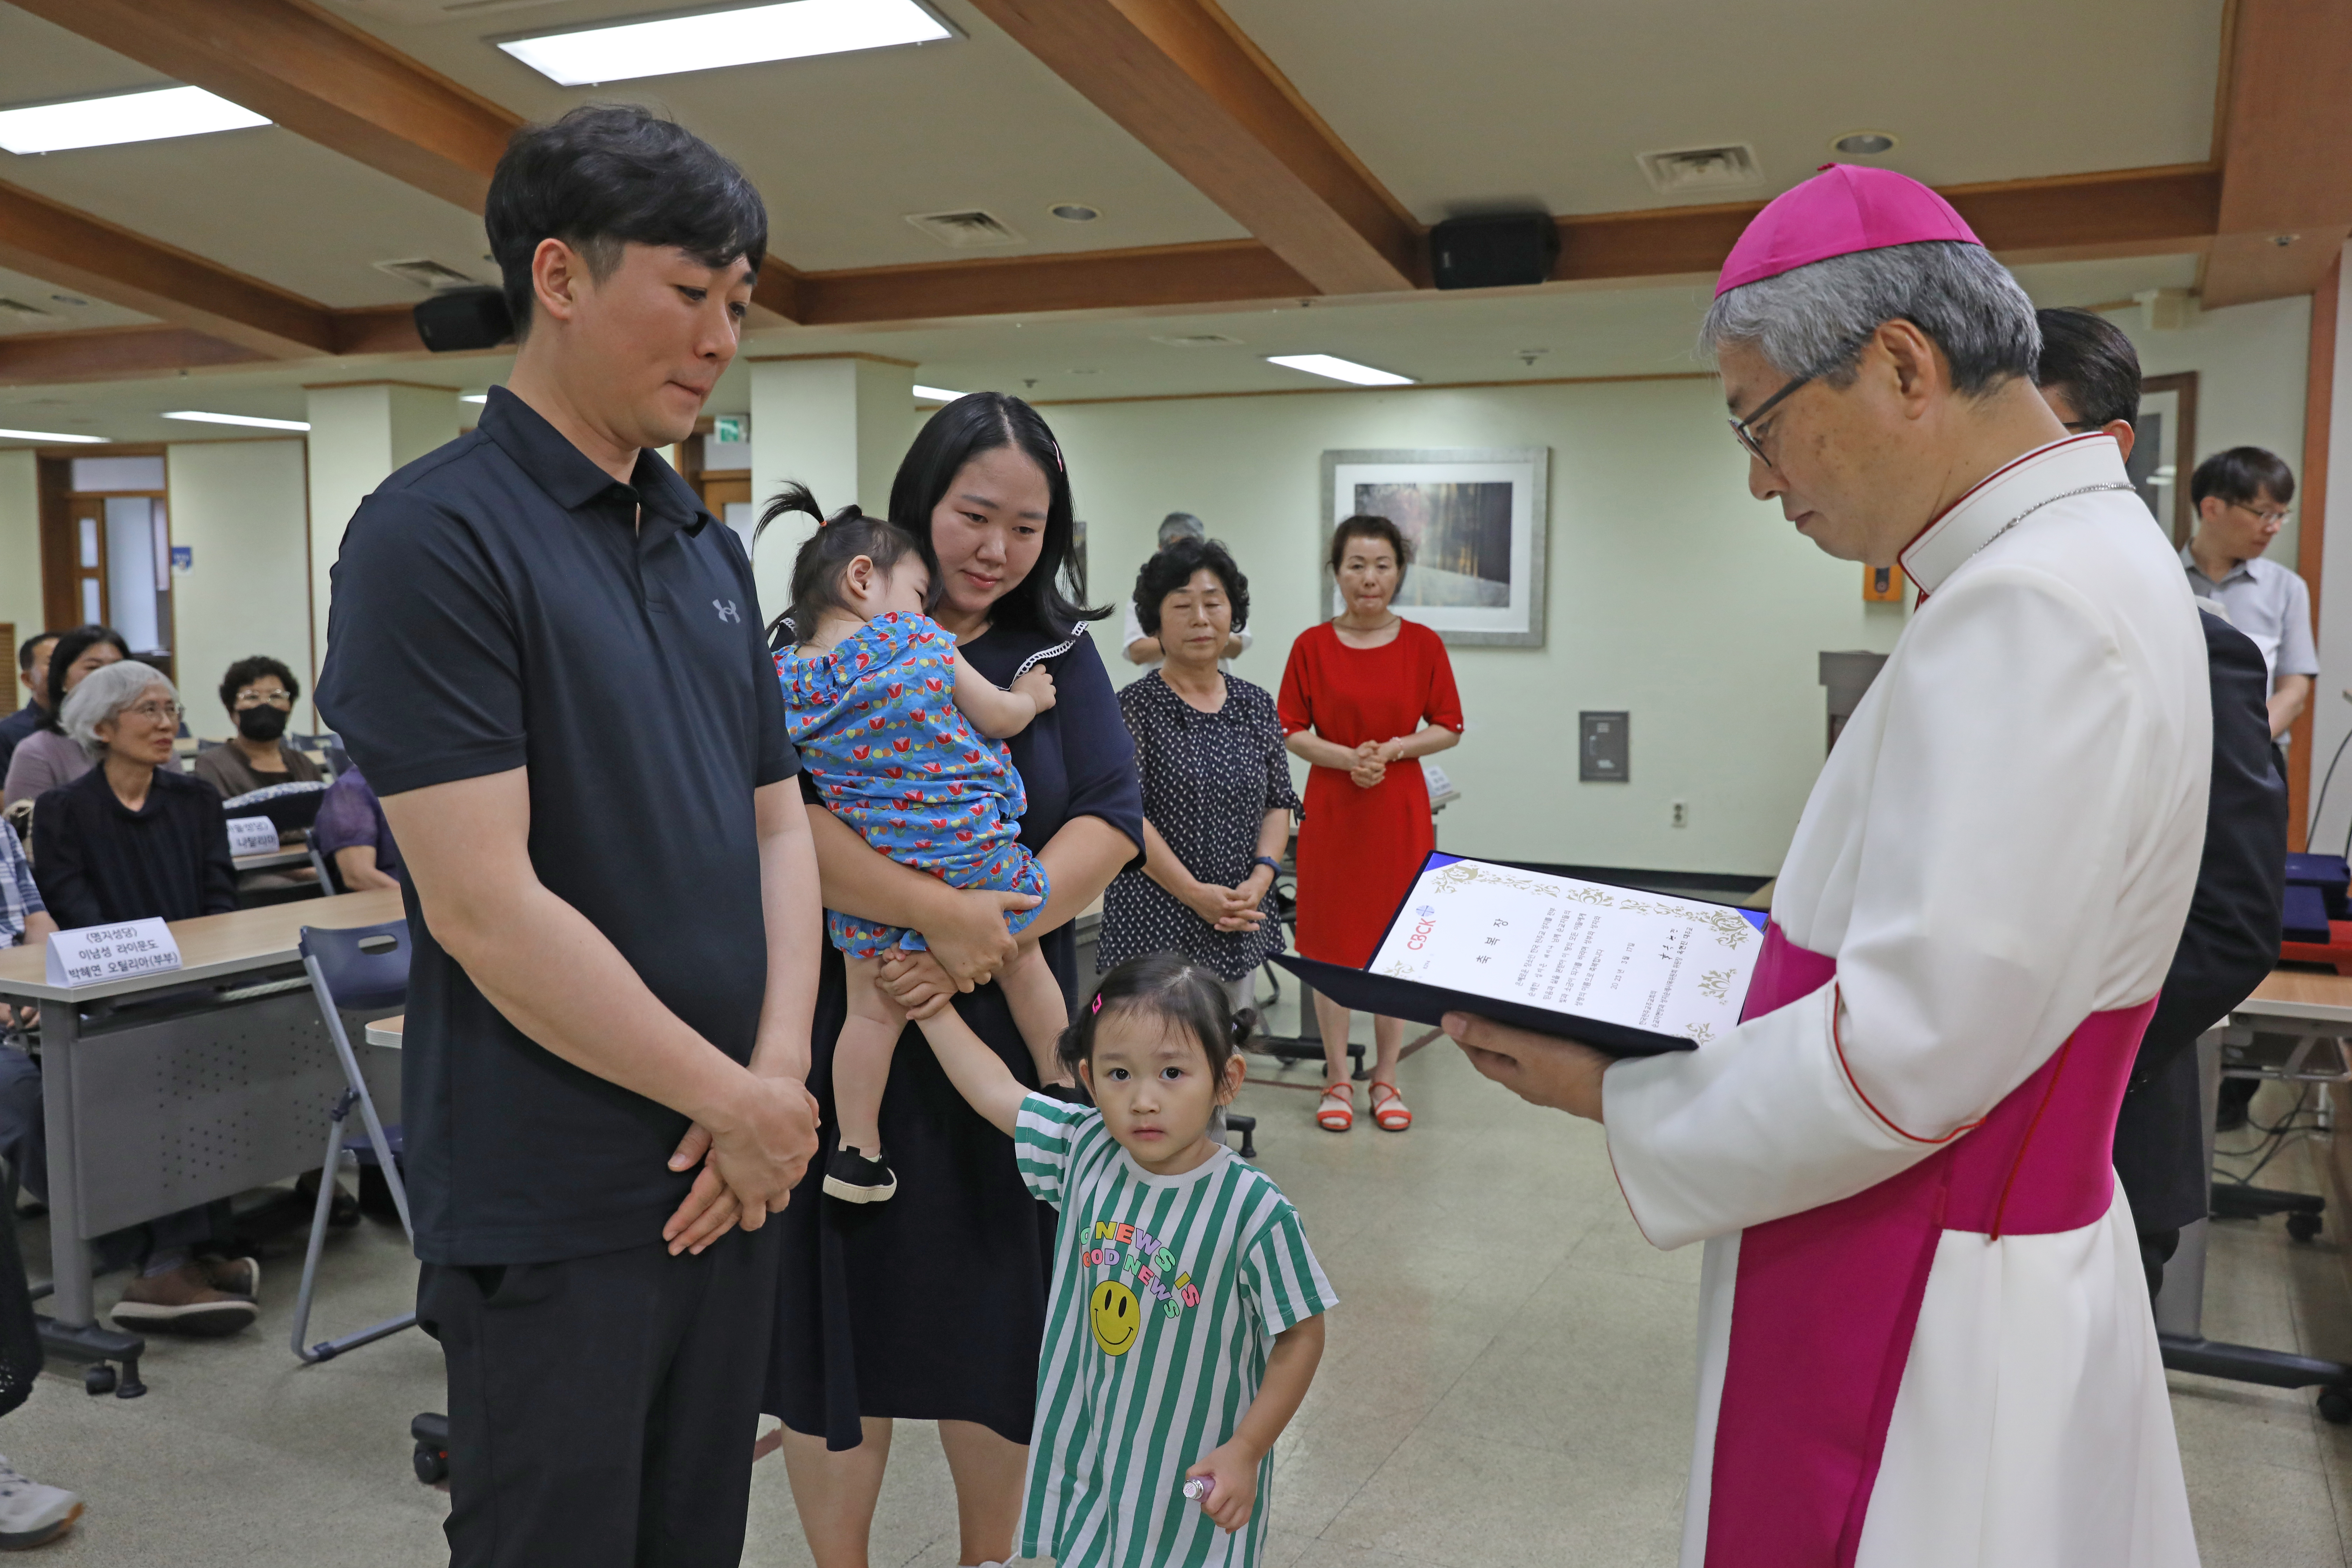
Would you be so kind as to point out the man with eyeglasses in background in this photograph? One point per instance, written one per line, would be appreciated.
(2241, 497)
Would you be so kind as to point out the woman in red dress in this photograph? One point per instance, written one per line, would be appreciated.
(1365, 694)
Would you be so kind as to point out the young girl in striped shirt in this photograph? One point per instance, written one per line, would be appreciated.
(1186, 1316)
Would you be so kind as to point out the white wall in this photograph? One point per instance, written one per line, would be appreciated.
(1672, 595)
(2331, 714)
(243, 508)
(2251, 364)
(20, 562)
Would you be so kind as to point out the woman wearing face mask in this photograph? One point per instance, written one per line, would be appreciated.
(260, 694)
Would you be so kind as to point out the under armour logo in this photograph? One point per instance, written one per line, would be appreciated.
(725, 608)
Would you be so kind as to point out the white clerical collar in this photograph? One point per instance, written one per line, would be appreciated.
(2007, 497)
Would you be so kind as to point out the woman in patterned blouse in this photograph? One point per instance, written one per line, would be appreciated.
(1217, 797)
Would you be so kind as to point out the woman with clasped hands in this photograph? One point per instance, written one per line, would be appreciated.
(1365, 692)
(1217, 797)
(932, 1306)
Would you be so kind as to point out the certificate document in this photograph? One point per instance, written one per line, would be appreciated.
(1579, 951)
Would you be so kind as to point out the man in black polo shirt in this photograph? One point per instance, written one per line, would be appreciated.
(547, 658)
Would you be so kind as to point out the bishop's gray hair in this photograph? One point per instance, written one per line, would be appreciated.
(1814, 320)
(100, 696)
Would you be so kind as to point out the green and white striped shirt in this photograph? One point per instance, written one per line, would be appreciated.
(1168, 1293)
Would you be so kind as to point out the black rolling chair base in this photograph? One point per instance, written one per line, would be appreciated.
(98, 1348)
(430, 1432)
(1288, 1051)
(2272, 1369)
(1247, 1127)
(2304, 1211)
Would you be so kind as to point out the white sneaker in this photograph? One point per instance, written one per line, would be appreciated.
(30, 1513)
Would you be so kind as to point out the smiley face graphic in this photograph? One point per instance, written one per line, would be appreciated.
(1113, 1315)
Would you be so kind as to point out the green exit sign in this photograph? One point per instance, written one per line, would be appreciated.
(731, 428)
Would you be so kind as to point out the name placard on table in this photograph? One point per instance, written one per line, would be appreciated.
(96, 954)
(252, 835)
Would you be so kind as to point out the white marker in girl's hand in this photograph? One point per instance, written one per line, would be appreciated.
(1198, 1488)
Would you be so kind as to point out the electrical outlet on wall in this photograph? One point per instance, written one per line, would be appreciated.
(1682, 814)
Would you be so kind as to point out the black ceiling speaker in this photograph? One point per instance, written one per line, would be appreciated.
(1501, 252)
(459, 319)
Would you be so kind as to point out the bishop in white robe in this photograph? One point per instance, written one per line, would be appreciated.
(1924, 1337)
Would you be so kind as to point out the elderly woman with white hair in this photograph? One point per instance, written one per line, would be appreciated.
(128, 840)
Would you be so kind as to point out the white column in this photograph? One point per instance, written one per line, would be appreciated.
(839, 423)
(2331, 712)
(359, 433)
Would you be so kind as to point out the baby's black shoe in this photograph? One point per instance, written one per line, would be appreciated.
(854, 1179)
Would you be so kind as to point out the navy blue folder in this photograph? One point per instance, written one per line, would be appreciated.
(1395, 998)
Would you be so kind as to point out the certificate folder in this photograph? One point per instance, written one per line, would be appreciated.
(1627, 972)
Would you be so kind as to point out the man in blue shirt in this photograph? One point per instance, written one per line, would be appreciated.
(2241, 497)
(548, 657)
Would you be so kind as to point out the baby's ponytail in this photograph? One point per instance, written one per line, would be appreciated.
(824, 555)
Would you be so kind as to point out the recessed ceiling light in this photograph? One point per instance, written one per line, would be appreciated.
(1864, 144)
(49, 436)
(710, 39)
(1076, 212)
(200, 418)
(936, 394)
(1339, 369)
(125, 117)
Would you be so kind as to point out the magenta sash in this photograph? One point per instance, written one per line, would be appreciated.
(1826, 1302)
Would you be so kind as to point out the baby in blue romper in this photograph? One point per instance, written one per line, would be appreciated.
(904, 739)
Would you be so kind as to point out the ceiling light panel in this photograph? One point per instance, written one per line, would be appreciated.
(1340, 370)
(712, 39)
(51, 435)
(936, 395)
(125, 117)
(199, 417)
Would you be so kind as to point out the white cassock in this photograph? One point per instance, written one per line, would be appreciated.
(1925, 1336)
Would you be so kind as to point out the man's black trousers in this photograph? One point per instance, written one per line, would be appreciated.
(601, 1410)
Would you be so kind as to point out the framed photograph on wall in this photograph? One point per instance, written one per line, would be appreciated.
(2165, 453)
(1477, 518)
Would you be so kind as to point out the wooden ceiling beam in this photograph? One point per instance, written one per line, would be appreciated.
(1166, 277)
(77, 251)
(314, 74)
(2131, 212)
(1185, 82)
(111, 354)
(2285, 148)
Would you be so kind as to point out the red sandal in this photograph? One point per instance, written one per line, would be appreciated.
(1338, 1111)
(1390, 1115)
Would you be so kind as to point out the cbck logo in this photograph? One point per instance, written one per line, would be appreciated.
(727, 612)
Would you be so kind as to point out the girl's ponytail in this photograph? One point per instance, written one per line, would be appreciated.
(838, 540)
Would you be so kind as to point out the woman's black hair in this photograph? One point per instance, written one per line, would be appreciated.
(1367, 525)
(246, 671)
(70, 647)
(1178, 992)
(607, 174)
(1173, 567)
(826, 554)
(1050, 601)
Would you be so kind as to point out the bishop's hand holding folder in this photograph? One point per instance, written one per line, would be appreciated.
(1626, 971)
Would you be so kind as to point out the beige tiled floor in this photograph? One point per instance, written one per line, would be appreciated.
(1508, 1383)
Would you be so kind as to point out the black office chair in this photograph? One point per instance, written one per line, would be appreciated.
(365, 969)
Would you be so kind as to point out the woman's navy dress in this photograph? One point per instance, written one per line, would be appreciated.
(932, 1306)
